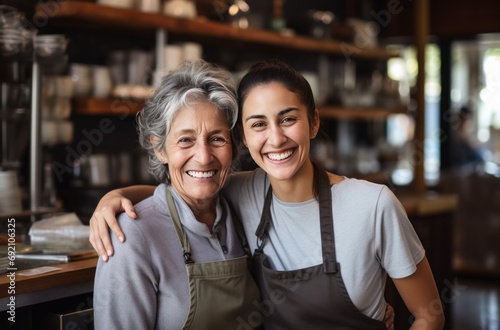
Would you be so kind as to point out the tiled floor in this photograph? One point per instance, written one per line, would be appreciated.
(475, 304)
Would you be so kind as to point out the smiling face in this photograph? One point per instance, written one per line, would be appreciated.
(198, 152)
(277, 131)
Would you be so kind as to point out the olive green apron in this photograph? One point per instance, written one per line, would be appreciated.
(223, 294)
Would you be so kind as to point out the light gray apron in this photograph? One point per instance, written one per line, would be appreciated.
(223, 294)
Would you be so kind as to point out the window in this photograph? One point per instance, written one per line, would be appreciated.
(401, 127)
(476, 83)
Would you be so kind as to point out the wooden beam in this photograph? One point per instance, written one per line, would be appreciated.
(421, 21)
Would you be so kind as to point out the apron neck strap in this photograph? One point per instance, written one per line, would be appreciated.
(238, 226)
(265, 221)
(181, 234)
(326, 220)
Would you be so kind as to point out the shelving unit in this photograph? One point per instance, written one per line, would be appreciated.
(91, 16)
(160, 28)
(129, 107)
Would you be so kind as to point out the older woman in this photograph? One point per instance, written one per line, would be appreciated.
(185, 264)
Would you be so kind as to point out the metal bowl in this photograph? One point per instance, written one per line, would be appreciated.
(50, 45)
(10, 45)
(10, 18)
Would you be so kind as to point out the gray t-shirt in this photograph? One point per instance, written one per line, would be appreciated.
(373, 236)
(144, 285)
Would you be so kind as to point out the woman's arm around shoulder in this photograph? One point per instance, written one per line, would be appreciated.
(104, 216)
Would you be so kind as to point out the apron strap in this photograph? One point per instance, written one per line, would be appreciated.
(265, 220)
(181, 234)
(326, 221)
(238, 226)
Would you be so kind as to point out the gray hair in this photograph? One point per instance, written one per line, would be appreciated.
(192, 82)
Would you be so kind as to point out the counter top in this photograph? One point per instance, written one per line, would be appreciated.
(429, 204)
(72, 278)
(69, 273)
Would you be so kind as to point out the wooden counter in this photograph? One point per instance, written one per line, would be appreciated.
(432, 217)
(71, 279)
(428, 205)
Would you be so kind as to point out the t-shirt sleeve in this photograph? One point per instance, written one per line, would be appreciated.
(398, 245)
(248, 186)
(124, 286)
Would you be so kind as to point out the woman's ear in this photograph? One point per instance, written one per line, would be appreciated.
(244, 140)
(315, 124)
(160, 154)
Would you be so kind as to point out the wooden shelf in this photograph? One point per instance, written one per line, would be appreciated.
(129, 107)
(106, 106)
(91, 16)
(359, 112)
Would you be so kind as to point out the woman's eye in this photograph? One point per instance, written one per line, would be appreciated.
(218, 141)
(288, 120)
(185, 142)
(258, 125)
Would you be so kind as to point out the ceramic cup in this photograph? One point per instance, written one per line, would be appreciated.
(103, 85)
(180, 8)
(192, 51)
(173, 56)
(149, 6)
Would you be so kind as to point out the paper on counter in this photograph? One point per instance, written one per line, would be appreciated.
(63, 232)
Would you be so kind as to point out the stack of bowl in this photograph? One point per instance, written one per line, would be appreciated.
(10, 193)
(48, 45)
(50, 52)
(10, 42)
(15, 38)
(81, 74)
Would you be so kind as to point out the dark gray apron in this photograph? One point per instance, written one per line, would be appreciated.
(313, 297)
(223, 294)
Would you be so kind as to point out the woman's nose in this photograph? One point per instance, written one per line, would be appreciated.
(276, 136)
(203, 153)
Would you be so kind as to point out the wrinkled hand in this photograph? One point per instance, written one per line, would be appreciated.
(104, 217)
(389, 317)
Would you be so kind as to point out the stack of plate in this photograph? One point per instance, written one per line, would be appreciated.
(4, 263)
(50, 45)
(10, 193)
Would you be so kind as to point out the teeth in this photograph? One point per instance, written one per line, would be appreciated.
(280, 156)
(197, 174)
